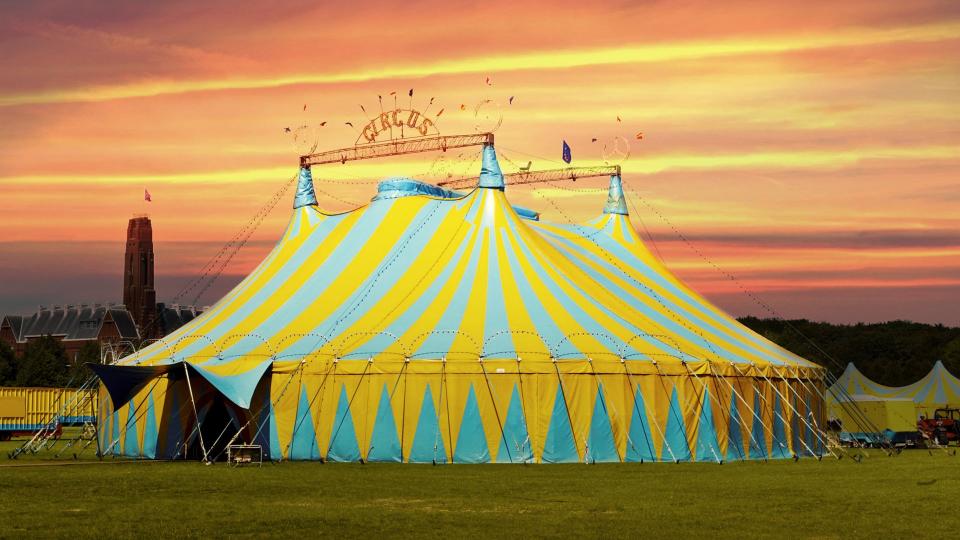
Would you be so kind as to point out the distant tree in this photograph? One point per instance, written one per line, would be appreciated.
(79, 372)
(951, 356)
(894, 353)
(8, 365)
(44, 363)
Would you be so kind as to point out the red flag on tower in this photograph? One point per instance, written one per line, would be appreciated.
(146, 195)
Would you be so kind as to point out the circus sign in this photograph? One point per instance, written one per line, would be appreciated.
(398, 124)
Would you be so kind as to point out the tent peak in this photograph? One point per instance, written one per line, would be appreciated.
(616, 204)
(306, 196)
(490, 174)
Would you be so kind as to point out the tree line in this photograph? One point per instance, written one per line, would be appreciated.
(45, 363)
(893, 353)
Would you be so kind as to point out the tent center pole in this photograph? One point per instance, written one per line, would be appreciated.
(196, 416)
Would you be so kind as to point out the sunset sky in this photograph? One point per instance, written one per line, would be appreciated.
(810, 149)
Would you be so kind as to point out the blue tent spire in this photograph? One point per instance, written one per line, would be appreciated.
(490, 174)
(616, 204)
(306, 196)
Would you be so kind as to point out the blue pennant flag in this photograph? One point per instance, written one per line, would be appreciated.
(566, 152)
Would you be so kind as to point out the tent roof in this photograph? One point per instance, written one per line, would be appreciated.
(938, 386)
(427, 278)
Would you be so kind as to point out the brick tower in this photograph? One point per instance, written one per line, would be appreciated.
(138, 293)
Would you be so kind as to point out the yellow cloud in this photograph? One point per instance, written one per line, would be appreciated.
(539, 60)
(370, 171)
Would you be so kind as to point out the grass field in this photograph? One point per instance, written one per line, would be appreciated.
(914, 494)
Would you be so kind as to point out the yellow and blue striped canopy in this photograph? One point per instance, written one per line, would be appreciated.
(435, 325)
(457, 277)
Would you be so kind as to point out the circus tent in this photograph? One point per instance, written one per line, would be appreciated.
(937, 389)
(445, 327)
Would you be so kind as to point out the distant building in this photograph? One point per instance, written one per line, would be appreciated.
(139, 318)
(138, 293)
(171, 317)
(72, 325)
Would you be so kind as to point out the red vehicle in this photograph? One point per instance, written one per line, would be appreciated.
(943, 428)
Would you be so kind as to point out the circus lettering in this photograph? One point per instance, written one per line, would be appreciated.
(387, 121)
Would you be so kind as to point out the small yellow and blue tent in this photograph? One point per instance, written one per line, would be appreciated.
(938, 389)
(442, 327)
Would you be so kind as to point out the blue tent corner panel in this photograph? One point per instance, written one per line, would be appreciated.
(123, 382)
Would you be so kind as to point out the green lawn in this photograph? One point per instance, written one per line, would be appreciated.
(914, 494)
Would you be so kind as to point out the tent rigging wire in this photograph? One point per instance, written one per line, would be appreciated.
(519, 446)
(264, 212)
(589, 236)
(750, 294)
(678, 415)
(331, 369)
(403, 411)
(817, 431)
(382, 269)
(232, 246)
(728, 406)
(846, 402)
(271, 402)
(133, 421)
(653, 294)
(196, 415)
(700, 407)
(336, 432)
(766, 306)
(634, 391)
(771, 406)
(443, 383)
(416, 285)
(806, 405)
(566, 408)
(243, 233)
(41, 437)
(725, 412)
(603, 404)
(496, 412)
(789, 404)
(734, 391)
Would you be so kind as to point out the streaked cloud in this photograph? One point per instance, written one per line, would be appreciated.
(521, 61)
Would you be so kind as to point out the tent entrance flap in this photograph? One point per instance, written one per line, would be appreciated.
(123, 382)
(218, 426)
(236, 380)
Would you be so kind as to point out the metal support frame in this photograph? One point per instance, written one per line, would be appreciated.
(534, 177)
(396, 147)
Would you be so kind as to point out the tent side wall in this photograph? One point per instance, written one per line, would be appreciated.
(159, 421)
(496, 411)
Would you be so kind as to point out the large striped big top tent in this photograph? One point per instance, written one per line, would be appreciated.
(434, 326)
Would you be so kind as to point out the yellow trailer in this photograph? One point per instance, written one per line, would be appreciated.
(26, 410)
